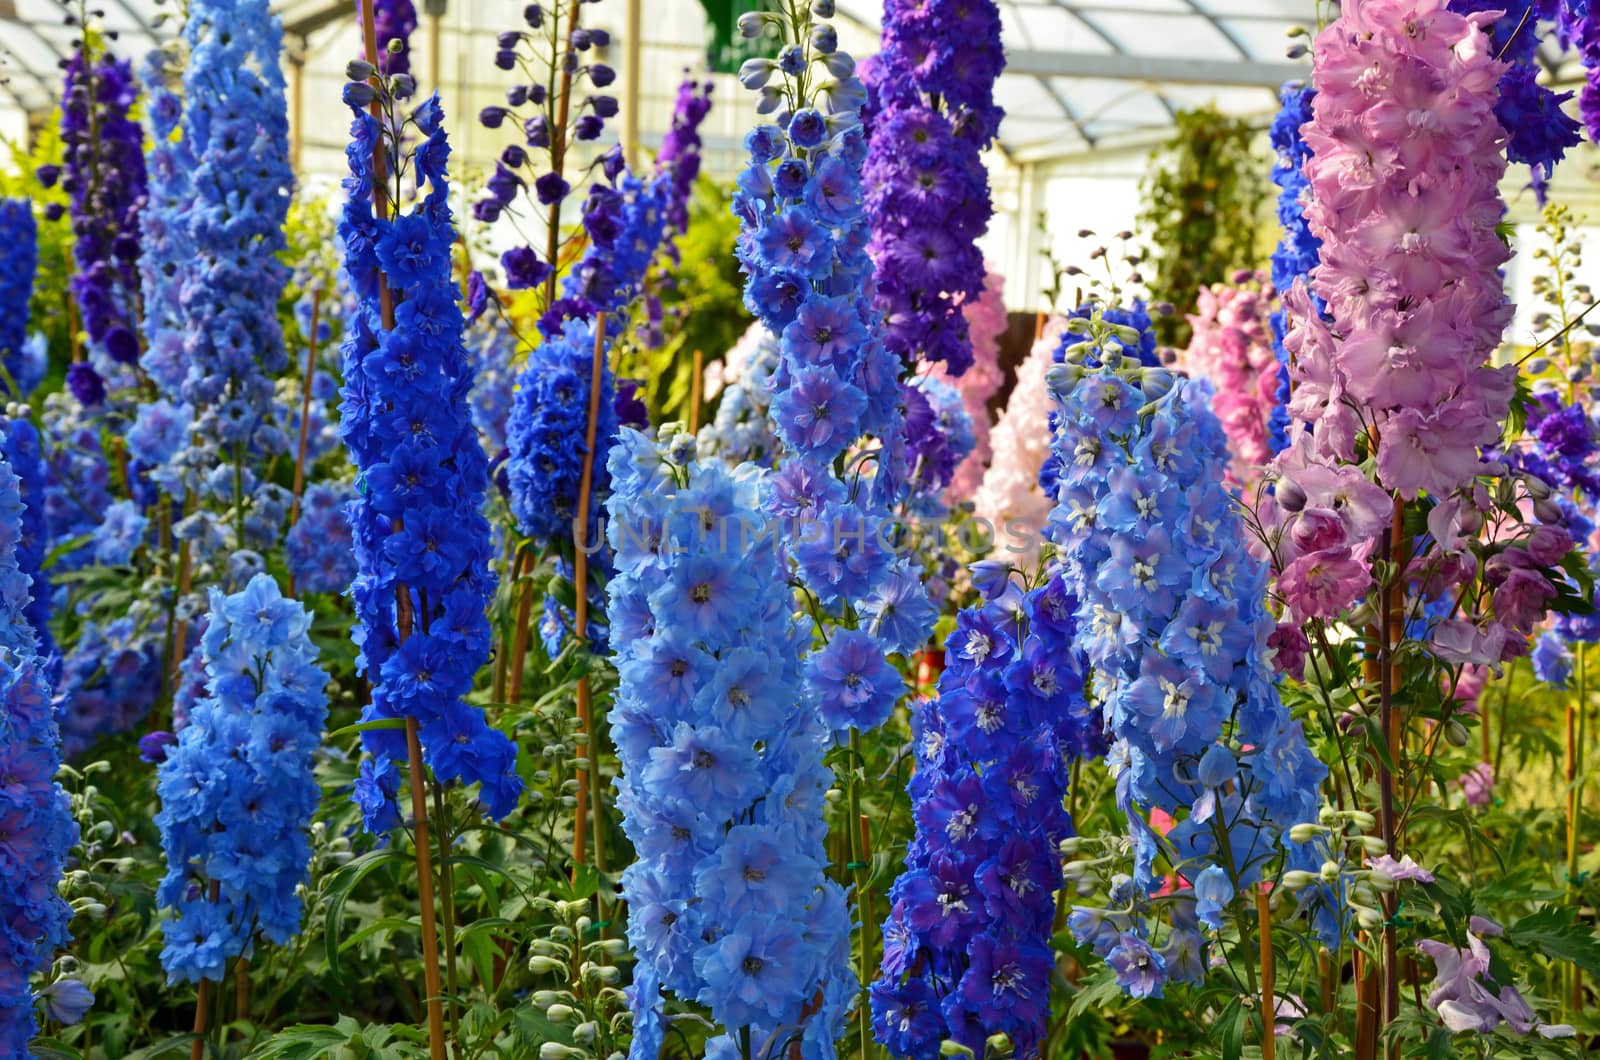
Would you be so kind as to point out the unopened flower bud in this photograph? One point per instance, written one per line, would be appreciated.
(1298, 879)
(358, 70)
(751, 23)
(1369, 919)
(1289, 495)
(1456, 733)
(1380, 880)
(1304, 832)
(559, 1013)
(1361, 819)
(1373, 845)
(1330, 871)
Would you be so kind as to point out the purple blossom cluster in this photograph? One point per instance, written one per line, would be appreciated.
(967, 945)
(680, 148)
(927, 188)
(535, 169)
(20, 236)
(105, 179)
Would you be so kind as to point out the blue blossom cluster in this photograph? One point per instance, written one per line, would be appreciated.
(165, 251)
(20, 236)
(722, 784)
(111, 677)
(1138, 342)
(741, 431)
(421, 540)
(1539, 131)
(321, 548)
(237, 791)
(19, 442)
(966, 947)
(546, 434)
(927, 188)
(802, 242)
(625, 218)
(493, 345)
(1173, 624)
(939, 435)
(1298, 250)
(78, 475)
(104, 178)
(680, 149)
(35, 816)
(235, 141)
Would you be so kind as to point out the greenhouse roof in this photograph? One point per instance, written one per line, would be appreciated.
(1080, 71)
(1081, 74)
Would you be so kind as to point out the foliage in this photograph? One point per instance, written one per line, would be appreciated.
(1203, 199)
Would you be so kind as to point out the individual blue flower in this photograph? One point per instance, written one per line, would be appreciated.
(238, 792)
(851, 683)
(1552, 660)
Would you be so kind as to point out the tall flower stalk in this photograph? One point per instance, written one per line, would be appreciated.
(34, 811)
(927, 188)
(421, 539)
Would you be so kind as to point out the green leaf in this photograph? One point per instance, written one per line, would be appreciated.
(367, 726)
(339, 892)
(1554, 932)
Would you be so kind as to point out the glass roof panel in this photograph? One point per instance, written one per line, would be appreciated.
(1067, 80)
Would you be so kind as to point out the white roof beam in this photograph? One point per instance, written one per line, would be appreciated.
(1156, 70)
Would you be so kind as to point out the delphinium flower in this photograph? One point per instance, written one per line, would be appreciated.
(1538, 130)
(165, 247)
(625, 218)
(1412, 318)
(1579, 24)
(535, 169)
(237, 791)
(680, 149)
(939, 435)
(741, 432)
(1299, 250)
(722, 780)
(79, 475)
(20, 236)
(321, 550)
(395, 21)
(111, 677)
(967, 944)
(802, 244)
(546, 434)
(105, 177)
(235, 135)
(1468, 996)
(1174, 627)
(1231, 346)
(986, 322)
(35, 816)
(492, 344)
(421, 540)
(1010, 497)
(927, 188)
(1141, 346)
(19, 442)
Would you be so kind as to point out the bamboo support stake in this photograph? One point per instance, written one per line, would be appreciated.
(1269, 1005)
(202, 998)
(695, 385)
(580, 609)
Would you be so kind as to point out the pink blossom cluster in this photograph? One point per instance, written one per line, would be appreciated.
(986, 322)
(1232, 347)
(1021, 440)
(1406, 159)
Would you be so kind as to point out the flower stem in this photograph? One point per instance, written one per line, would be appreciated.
(1575, 711)
(858, 865)
(447, 879)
